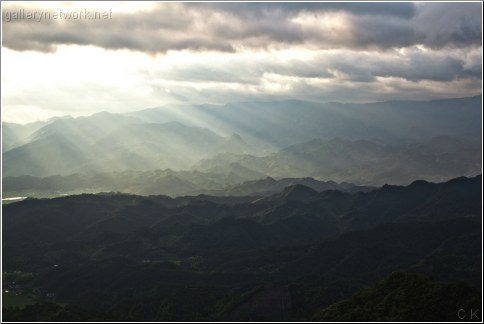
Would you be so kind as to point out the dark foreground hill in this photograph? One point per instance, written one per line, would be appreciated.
(283, 257)
(406, 297)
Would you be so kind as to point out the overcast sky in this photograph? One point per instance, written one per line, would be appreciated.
(153, 54)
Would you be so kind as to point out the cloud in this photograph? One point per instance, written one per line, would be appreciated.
(412, 64)
(455, 24)
(166, 27)
(154, 54)
(228, 27)
(259, 10)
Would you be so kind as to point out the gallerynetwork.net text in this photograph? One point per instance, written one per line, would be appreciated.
(38, 16)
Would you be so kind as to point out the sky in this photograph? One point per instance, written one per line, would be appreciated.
(80, 58)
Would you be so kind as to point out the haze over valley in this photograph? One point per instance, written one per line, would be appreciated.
(290, 139)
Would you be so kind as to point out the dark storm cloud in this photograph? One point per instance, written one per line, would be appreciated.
(166, 27)
(228, 26)
(427, 67)
(457, 24)
(265, 24)
(384, 32)
(413, 65)
(403, 10)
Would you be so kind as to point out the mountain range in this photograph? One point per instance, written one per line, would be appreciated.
(278, 124)
(361, 161)
(365, 144)
(161, 182)
(108, 142)
(253, 211)
(298, 254)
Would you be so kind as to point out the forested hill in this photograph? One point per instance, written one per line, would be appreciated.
(156, 258)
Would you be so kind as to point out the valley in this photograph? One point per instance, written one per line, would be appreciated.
(140, 217)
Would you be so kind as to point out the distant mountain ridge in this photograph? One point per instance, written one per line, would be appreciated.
(362, 161)
(366, 144)
(109, 142)
(282, 123)
(162, 182)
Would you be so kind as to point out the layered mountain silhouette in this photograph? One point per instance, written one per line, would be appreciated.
(321, 213)
(282, 123)
(368, 144)
(251, 211)
(162, 182)
(362, 161)
(295, 255)
(109, 142)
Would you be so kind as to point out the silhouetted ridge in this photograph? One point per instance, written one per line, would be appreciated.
(420, 184)
(210, 258)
